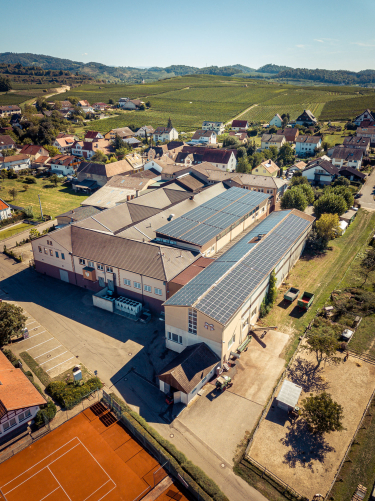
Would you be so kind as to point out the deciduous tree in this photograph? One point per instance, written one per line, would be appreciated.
(330, 203)
(327, 226)
(322, 413)
(12, 320)
(324, 346)
(294, 198)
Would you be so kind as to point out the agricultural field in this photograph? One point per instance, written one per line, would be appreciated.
(11, 98)
(55, 200)
(347, 109)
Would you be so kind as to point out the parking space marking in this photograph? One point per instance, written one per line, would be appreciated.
(33, 322)
(57, 356)
(31, 337)
(59, 364)
(40, 343)
(47, 352)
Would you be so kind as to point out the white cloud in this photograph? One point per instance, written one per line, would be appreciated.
(85, 54)
(301, 46)
(361, 44)
(317, 40)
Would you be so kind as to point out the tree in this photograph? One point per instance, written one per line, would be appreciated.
(241, 152)
(294, 198)
(169, 125)
(54, 179)
(243, 165)
(231, 141)
(272, 130)
(13, 193)
(271, 153)
(286, 154)
(345, 192)
(324, 346)
(330, 203)
(322, 414)
(148, 104)
(34, 233)
(5, 83)
(327, 226)
(341, 181)
(52, 150)
(367, 265)
(111, 101)
(99, 157)
(270, 297)
(142, 107)
(12, 321)
(308, 192)
(285, 121)
(118, 142)
(298, 179)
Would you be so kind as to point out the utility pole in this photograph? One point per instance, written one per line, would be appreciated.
(41, 210)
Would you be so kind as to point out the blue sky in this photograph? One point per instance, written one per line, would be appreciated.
(331, 34)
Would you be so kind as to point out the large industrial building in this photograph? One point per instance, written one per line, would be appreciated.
(219, 305)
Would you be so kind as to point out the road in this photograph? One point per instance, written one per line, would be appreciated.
(11, 241)
(368, 192)
(110, 346)
(242, 113)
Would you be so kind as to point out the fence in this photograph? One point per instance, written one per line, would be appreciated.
(182, 477)
(287, 491)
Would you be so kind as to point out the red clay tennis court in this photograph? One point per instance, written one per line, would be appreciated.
(89, 458)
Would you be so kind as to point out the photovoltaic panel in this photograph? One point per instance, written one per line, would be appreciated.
(177, 227)
(199, 214)
(216, 203)
(237, 209)
(221, 220)
(253, 198)
(201, 234)
(233, 193)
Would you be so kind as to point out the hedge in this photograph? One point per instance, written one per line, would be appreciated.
(14, 360)
(48, 411)
(70, 394)
(35, 367)
(177, 458)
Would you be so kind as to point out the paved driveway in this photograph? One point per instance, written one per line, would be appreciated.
(368, 192)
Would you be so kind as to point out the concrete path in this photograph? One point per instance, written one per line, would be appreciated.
(242, 113)
(11, 241)
(368, 192)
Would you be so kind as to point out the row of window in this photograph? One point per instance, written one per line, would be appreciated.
(99, 266)
(146, 288)
(50, 252)
(174, 337)
(13, 421)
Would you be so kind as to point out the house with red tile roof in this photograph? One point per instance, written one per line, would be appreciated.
(92, 135)
(15, 162)
(240, 125)
(33, 151)
(63, 164)
(5, 210)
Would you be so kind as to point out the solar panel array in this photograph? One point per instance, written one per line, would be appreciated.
(206, 278)
(205, 222)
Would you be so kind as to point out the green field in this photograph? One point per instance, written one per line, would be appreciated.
(54, 200)
(14, 230)
(11, 98)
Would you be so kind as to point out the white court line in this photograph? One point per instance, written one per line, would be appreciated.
(58, 483)
(97, 490)
(108, 492)
(40, 343)
(57, 356)
(96, 461)
(47, 370)
(49, 493)
(47, 352)
(41, 461)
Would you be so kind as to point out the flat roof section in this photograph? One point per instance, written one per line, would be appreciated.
(206, 222)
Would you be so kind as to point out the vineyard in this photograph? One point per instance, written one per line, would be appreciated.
(11, 99)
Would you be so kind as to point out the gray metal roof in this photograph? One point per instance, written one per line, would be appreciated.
(289, 393)
(202, 224)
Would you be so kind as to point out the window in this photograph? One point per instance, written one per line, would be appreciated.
(56, 254)
(127, 282)
(62, 255)
(24, 415)
(50, 252)
(231, 341)
(9, 424)
(192, 321)
(148, 288)
(109, 269)
(82, 261)
(137, 285)
(40, 249)
(174, 337)
(49, 242)
(100, 267)
(253, 312)
(90, 263)
(158, 292)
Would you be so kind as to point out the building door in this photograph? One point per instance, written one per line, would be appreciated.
(177, 397)
(64, 275)
(111, 285)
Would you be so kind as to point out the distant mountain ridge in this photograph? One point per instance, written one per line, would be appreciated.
(130, 74)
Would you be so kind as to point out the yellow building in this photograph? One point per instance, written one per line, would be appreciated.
(266, 168)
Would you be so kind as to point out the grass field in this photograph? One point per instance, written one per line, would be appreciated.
(14, 230)
(54, 200)
(11, 98)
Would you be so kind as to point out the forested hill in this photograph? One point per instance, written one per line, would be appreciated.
(343, 77)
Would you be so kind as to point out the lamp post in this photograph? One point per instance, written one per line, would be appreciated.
(41, 210)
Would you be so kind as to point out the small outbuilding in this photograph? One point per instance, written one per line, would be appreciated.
(288, 396)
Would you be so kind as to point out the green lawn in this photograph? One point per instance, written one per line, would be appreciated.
(14, 230)
(55, 200)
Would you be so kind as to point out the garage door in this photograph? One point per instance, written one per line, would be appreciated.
(64, 275)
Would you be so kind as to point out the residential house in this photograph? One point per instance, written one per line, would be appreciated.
(204, 137)
(8, 110)
(34, 151)
(217, 127)
(241, 136)
(92, 135)
(320, 172)
(166, 167)
(367, 132)
(86, 106)
(269, 140)
(306, 146)
(76, 215)
(99, 174)
(225, 160)
(171, 150)
(19, 399)
(353, 174)
(132, 104)
(219, 305)
(122, 132)
(290, 134)
(122, 101)
(135, 161)
(15, 162)
(186, 374)
(63, 164)
(306, 118)
(133, 142)
(358, 142)
(88, 149)
(64, 143)
(5, 210)
(165, 134)
(347, 157)
(7, 143)
(240, 125)
(367, 119)
(65, 114)
(66, 105)
(141, 132)
(266, 168)
(297, 167)
(15, 121)
(276, 121)
(100, 106)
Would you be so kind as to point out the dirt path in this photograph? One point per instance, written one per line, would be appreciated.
(242, 113)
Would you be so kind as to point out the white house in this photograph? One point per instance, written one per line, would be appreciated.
(367, 116)
(141, 132)
(348, 157)
(64, 143)
(19, 398)
(268, 140)
(63, 164)
(217, 127)
(12, 109)
(86, 106)
(16, 162)
(204, 136)
(306, 118)
(5, 211)
(306, 146)
(320, 172)
(131, 104)
(276, 121)
(6, 142)
(240, 125)
(165, 134)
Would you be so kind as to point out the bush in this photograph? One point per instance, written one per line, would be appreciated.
(48, 412)
(70, 394)
(35, 367)
(11, 356)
